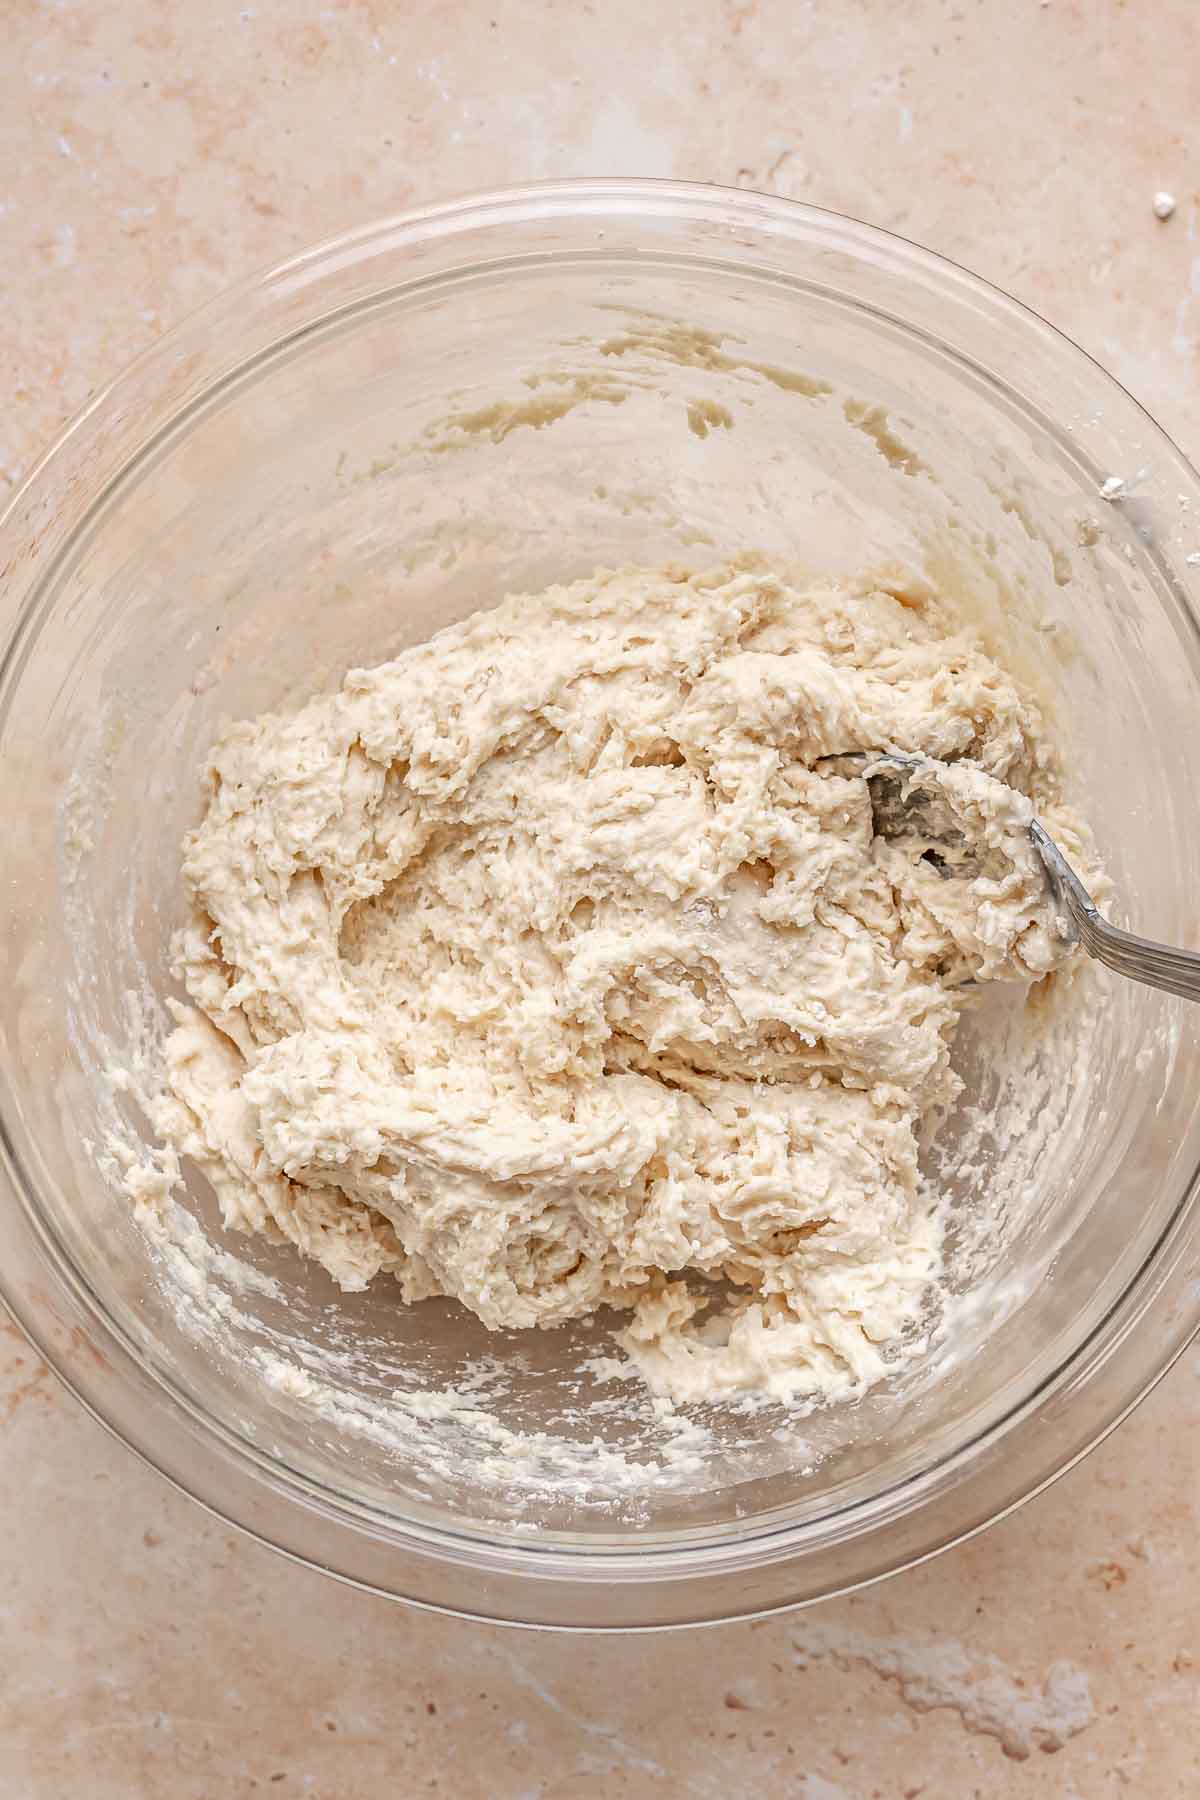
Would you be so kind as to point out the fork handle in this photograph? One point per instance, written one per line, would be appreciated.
(1156, 965)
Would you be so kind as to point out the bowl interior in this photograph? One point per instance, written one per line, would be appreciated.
(396, 463)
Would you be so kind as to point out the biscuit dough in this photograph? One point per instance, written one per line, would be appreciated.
(552, 965)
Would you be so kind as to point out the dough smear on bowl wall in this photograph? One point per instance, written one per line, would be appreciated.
(558, 964)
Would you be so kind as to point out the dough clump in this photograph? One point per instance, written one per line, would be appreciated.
(561, 963)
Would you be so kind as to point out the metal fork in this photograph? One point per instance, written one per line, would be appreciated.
(1157, 965)
(1141, 959)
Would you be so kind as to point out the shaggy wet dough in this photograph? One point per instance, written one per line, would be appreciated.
(552, 965)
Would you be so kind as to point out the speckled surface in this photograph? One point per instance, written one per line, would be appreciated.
(148, 155)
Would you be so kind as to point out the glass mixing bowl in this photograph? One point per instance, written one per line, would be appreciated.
(374, 439)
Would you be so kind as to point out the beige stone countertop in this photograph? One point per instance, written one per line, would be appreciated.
(150, 152)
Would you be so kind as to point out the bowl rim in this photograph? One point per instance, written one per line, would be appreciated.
(578, 1571)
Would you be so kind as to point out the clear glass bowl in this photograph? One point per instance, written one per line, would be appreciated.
(371, 440)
